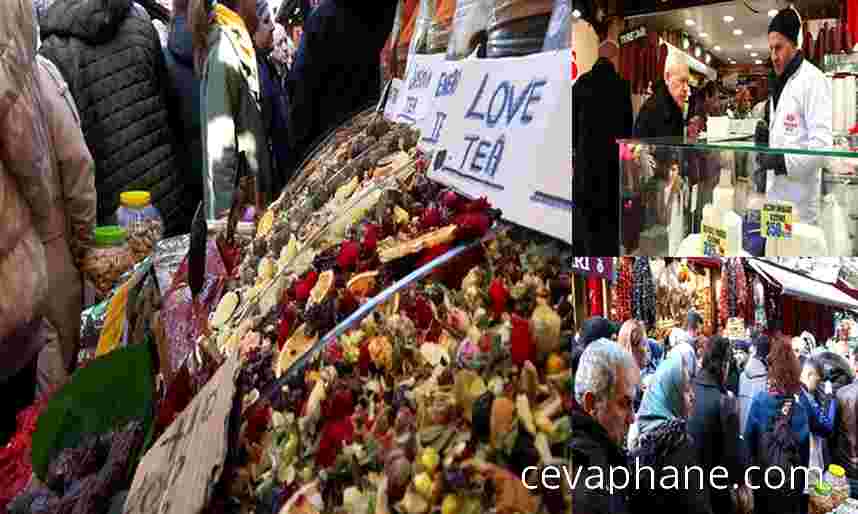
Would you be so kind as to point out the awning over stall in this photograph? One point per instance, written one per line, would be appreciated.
(802, 287)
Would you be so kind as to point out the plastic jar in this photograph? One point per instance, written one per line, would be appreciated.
(518, 27)
(108, 259)
(821, 500)
(836, 476)
(142, 222)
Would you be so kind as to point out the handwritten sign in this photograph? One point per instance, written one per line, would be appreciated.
(178, 474)
(501, 129)
(602, 267)
(776, 221)
(714, 241)
(416, 91)
(391, 109)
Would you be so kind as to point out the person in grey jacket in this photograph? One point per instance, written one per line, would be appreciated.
(753, 379)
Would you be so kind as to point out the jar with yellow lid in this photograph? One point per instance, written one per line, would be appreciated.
(141, 220)
(836, 476)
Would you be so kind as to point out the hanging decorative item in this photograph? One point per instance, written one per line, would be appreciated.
(643, 292)
(759, 303)
(622, 299)
(594, 294)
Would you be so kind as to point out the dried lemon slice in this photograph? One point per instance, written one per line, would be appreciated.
(323, 287)
(266, 223)
(294, 348)
(225, 308)
(363, 284)
(436, 237)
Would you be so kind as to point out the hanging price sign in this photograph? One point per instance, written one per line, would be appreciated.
(714, 241)
(776, 221)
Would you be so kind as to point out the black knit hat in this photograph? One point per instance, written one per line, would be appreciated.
(787, 23)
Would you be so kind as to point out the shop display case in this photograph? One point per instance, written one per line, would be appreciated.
(688, 197)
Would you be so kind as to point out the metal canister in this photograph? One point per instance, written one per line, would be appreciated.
(518, 27)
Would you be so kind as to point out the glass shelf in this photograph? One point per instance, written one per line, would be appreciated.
(745, 144)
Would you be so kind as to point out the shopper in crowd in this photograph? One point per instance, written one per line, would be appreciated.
(714, 424)
(684, 347)
(753, 378)
(275, 105)
(737, 365)
(844, 442)
(605, 385)
(601, 114)
(663, 444)
(800, 348)
(816, 397)
(662, 114)
(25, 187)
(183, 100)
(656, 352)
(337, 69)
(232, 118)
(592, 329)
(770, 447)
(632, 340)
(67, 231)
(800, 115)
(110, 54)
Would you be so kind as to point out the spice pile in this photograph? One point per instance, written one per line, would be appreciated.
(439, 399)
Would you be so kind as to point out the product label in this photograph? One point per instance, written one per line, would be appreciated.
(776, 221)
(714, 241)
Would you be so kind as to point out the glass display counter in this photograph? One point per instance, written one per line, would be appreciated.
(688, 197)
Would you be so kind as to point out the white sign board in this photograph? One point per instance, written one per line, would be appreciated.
(415, 95)
(501, 128)
(179, 473)
(391, 109)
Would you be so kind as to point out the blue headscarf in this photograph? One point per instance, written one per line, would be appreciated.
(662, 401)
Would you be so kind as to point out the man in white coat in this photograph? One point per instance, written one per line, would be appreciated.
(800, 116)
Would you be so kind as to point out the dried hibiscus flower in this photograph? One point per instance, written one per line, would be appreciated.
(303, 288)
(500, 296)
(348, 256)
(335, 434)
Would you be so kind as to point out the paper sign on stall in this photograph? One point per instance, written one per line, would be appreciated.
(415, 95)
(776, 221)
(179, 473)
(714, 241)
(504, 133)
(391, 108)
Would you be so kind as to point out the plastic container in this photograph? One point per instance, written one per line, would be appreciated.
(821, 499)
(442, 27)
(518, 27)
(469, 28)
(559, 35)
(142, 222)
(108, 259)
(836, 477)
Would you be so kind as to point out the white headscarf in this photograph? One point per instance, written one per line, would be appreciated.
(681, 347)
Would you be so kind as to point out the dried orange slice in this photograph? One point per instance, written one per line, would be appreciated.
(295, 347)
(323, 286)
(362, 285)
(436, 237)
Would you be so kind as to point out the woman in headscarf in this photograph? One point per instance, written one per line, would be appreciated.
(681, 346)
(664, 445)
(231, 101)
(780, 399)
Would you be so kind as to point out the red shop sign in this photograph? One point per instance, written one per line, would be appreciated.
(602, 267)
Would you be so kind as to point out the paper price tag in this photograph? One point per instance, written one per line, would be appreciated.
(714, 241)
(776, 221)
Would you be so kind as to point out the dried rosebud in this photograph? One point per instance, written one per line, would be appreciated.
(348, 256)
(430, 218)
(370, 238)
(499, 296)
(472, 225)
(303, 288)
(522, 347)
(451, 200)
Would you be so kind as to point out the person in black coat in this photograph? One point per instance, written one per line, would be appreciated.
(601, 114)
(714, 425)
(337, 68)
(662, 114)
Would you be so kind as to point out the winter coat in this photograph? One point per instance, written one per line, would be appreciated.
(233, 123)
(25, 187)
(752, 380)
(275, 115)
(601, 114)
(72, 209)
(337, 69)
(714, 427)
(660, 116)
(665, 449)
(844, 447)
(183, 101)
(761, 418)
(592, 449)
(110, 54)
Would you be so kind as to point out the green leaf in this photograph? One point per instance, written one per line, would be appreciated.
(111, 390)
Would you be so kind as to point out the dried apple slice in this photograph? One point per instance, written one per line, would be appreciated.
(436, 237)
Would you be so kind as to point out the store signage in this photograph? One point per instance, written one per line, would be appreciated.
(490, 120)
(416, 93)
(179, 473)
(632, 35)
(602, 267)
(776, 221)
(392, 104)
(714, 241)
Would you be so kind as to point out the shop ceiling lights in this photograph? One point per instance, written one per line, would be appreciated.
(748, 47)
(704, 35)
(773, 13)
(729, 19)
(737, 32)
(690, 23)
(754, 54)
(758, 61)
(717, 48)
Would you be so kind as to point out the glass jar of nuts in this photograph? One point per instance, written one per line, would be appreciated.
(141, 220)
(108, 259)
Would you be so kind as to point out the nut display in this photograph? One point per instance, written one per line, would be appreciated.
(108, 260)
(142, 236)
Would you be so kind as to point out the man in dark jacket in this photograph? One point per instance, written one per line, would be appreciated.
(183, 101)
(662, 114)
(337, 69)
(714, 425)
(605, 385)
(601, 114)
(110, 54)
(844, 441)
